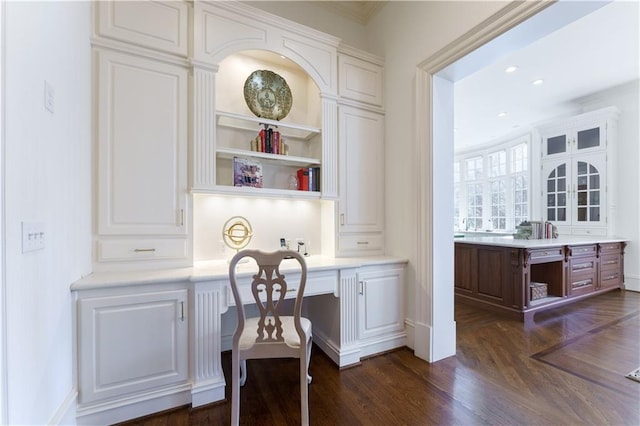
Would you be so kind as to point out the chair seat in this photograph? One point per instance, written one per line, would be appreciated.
(291, 339)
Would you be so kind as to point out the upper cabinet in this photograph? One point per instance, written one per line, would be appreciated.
(580, 135)
(577, 187)
(361, 133)
(360, 80)
(158, 25)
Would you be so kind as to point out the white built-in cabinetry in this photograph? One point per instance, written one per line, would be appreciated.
(576, 159)
(361, 154)
(132, 342)
(380, 307)
(168, 122)
(141, 109)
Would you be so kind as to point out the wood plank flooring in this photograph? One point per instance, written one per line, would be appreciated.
(567, 369)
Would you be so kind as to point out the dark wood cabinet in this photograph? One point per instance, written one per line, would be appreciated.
(499, 277)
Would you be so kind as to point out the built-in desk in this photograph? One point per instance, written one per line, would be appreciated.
(152, 340)
(497, 272)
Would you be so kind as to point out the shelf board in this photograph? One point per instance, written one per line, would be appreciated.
(274, 158)
(261, 192)
(244, 122)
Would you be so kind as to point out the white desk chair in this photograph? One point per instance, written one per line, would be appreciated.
(271, 335)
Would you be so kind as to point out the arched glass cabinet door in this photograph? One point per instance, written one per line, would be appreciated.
(558, 191)
(575, 192)
(588, 191)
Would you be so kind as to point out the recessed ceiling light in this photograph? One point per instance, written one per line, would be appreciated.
(502, 114)
(512, 68)
(537, 82)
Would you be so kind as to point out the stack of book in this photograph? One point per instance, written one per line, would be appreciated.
(269, 141)
(309, 179)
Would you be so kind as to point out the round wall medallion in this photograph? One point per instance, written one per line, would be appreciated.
(267, 95)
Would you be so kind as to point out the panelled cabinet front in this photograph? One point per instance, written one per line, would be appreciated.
(131, 344)
(381, 301)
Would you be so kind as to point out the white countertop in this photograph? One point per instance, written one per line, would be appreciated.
(215, 270)
(509, 241)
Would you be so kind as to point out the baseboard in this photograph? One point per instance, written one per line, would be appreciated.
(382, 344)
(130, 408)
(208, 393)
(632, 282)
(342, 357)
(410, 328)
(66, 412)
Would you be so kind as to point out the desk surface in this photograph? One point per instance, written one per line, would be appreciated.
(214, 270)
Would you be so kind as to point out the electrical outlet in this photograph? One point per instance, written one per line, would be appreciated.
(33, 236)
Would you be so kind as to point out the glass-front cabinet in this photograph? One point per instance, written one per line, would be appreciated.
(577, 192)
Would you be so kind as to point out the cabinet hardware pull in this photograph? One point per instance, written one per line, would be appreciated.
(291, 290)
(610, 277)
(581, 283)
(582, 266)
(139, 250)
(362, 242)
(181, 217)
(181, 311)
(610, 262)
(361, 287)
(341, 218)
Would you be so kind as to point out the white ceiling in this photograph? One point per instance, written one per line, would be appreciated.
(594, 53)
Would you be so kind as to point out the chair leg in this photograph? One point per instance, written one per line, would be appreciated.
(235, 389)
(308, 359)
(304, 392)
(243, 372)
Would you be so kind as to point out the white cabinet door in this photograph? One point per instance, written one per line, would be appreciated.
(575, 193)
(142, 146)
(361, 170)
(130, 344)
(381, 301)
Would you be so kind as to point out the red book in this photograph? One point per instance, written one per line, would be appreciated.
(263, 140)
(303, 179)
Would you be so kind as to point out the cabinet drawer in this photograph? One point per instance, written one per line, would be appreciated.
(141, 249)
(546, 255)
(610, 278)
(610, 248)
(578, 251)
(610, 262)
(370, 242)
(583, 265)
(581, 283)
(589, 231)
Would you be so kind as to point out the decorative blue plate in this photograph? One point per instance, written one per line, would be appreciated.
(267, 95)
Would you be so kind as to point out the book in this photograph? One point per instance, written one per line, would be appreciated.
(247, 172)
(303, 179)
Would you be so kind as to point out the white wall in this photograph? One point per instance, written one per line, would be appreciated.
(47, 180)
(426, 27)
(627, 173)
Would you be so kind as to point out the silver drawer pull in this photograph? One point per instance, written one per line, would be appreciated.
(362, 242)
(610, 262)
(582, 266)
(140, 250)
(582, 283)
(610, 277)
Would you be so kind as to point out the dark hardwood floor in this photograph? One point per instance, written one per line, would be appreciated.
(567, 369)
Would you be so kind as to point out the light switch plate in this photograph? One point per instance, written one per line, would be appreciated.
(33, 236)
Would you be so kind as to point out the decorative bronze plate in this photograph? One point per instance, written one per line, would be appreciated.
(267, 95)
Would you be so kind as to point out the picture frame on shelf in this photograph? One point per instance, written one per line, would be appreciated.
(247, 172)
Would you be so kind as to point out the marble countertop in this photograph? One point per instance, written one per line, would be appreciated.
(509, 241)
(215, 270)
